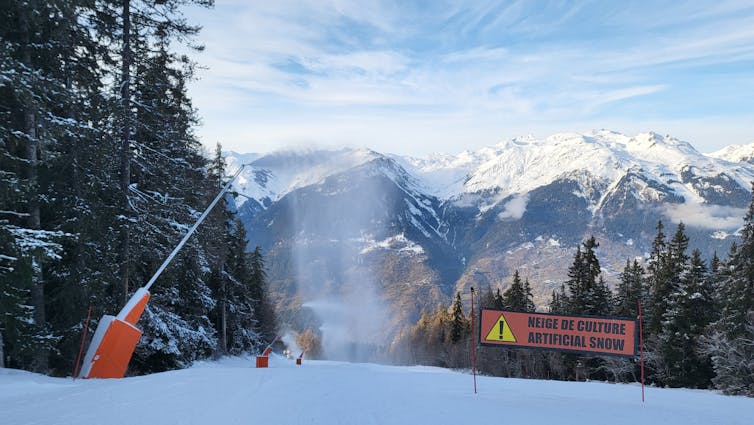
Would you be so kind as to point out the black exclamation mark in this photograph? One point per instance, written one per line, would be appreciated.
(502, 327)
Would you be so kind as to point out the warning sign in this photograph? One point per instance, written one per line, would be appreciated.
(584, 334)
(501, 331)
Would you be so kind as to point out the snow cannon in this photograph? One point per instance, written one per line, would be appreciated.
(115, 339)
(264, 360)
(300, 358)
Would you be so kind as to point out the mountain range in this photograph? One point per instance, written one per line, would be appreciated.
(359, 242)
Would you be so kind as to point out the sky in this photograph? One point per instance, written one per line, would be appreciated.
(416, 77)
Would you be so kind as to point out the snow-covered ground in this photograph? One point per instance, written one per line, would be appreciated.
(232, 391)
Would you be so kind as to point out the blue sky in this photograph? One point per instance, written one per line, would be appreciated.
(413, 77)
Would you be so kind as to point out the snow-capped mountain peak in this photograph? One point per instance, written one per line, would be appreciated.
(272, 176)
(515, 167)
(524, 163)
(735, 153)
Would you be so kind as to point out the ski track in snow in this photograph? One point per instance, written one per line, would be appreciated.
(232, 391)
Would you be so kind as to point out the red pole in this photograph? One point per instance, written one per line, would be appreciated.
(83, 338)
(641, 350)
(473, 340)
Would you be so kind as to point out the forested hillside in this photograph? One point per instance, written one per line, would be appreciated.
(101, 175)
(698, 319)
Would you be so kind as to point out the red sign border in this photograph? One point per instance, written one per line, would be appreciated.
(567, 350)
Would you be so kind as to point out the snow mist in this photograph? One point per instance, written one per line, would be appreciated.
(332, 280)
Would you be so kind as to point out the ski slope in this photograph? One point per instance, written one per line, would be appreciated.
(232, 391)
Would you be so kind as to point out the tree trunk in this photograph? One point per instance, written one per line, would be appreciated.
(125, 147)
(223, 313)
(32, 150)
(2, 354)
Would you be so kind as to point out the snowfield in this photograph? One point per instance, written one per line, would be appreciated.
(232, 391)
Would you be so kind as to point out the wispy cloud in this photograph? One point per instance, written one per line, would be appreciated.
(367, 68)
(706, 216)
(515, 208)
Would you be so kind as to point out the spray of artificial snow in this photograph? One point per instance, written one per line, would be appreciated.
(340, 291)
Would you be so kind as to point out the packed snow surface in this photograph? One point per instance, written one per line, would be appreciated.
(232, 391)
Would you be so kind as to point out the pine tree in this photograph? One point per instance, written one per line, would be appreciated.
(738, 289)
(49, 95)
(459, 326)
(588, 292)
(657, 282)
(518, 297)
(101, 172)
(221, 281)
(684, 323)
(559, 301)
(629, 289)
(488, 299)
(529, 306)
(265, 313)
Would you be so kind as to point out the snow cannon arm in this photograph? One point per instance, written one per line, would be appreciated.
(268, 350)
(135, 306)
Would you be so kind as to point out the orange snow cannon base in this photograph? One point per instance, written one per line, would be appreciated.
(114, 340)
(262, 361)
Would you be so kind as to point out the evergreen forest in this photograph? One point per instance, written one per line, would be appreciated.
(101, 175)
(698, 319)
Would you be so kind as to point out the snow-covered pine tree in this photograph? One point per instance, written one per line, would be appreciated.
(738, 289)
(243, 309)
(221, 282)
(264, 310)
(138, 35)
(49, 84)
(685, 322)
(730, 339)
(657, 283)
(168, 190)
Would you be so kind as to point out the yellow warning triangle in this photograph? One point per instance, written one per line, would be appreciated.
(501, 331)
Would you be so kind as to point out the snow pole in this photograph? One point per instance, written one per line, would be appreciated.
(473, 340)
(641, 349)
(83, 339)
(116, 337)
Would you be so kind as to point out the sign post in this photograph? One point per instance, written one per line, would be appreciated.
(641, 349)
(473, 340)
